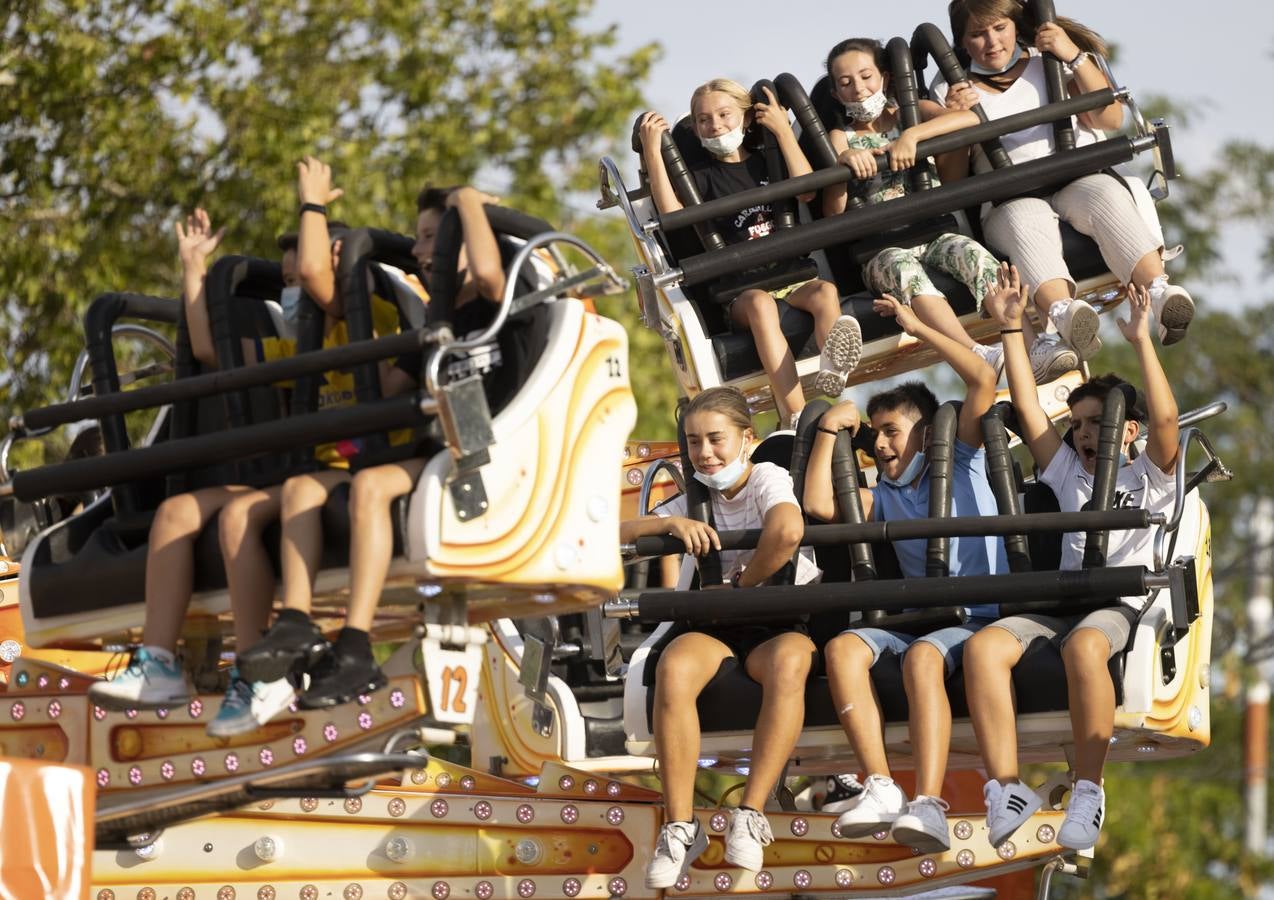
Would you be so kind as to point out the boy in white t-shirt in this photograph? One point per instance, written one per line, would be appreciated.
(1087, 641)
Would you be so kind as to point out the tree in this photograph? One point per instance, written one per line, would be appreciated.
(117, 115)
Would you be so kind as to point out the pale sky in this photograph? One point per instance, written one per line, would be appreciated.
(1221, 63)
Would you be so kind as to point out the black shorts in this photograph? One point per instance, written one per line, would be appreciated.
(743, 639)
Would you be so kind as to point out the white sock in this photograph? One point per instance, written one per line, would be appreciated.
(983, 351)
(1157, 287)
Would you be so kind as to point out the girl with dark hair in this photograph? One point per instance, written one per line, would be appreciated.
(1005, 46)
(859, 80)
(719, 431)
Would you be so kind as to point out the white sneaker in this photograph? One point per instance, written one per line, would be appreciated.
(1084, 814)
(1077, 322)
(149, 681)
(746, 838)
(679, 844)
(875, 809)
(1051, 359)
(1173, 309)
(923, 826)
(994, 356)
(841, 352)
(1008, 806)
(247, 707)
(842, 792)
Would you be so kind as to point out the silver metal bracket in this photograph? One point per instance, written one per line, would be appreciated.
(466, 422)
(647, 296)
(468, 494)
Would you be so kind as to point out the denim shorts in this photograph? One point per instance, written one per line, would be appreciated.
(948, 641)
(1114, 622)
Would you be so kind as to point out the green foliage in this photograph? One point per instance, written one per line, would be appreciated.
(116, 116)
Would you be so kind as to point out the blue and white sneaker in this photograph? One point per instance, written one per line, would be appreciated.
(247, 707)
(152, 679)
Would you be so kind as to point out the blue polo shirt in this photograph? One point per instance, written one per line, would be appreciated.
(970, 496)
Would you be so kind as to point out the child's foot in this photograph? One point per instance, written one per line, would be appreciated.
(346, 670)
(292, 642)
(679, 844)
(1051, 359)
(152, 679)
(1008, 806)
(875, 809)
(923, 826)
(746, 838)
(247, 707)
(841, 352)
(1077, 323)
(1084, 813)
(1173, 309)
(842, 791)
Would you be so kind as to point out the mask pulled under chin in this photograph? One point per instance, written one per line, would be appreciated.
(979, 69)
(867, 110)
(290, 300)
(724, 478)
(724, 144)
(908, 474)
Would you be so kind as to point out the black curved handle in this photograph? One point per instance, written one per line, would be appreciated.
(784, 210)
(999, 471)
(792, 94)
(845, 485)
(941, 460)
(1054, 79)
(928, 41)
(699, 508)
(686, 190)
(1106, 471)
(907, 93)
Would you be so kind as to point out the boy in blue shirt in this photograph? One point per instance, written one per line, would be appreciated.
(902, 419)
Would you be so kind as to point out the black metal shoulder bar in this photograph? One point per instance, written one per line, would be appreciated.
(822, 178)
(1106, 471)
(1002, 184)
(999, 466)
(792, 94)
(941, 463)
(1054, 79)
(698, 507)
(1043, 589)
(683, 185)
(907, 92)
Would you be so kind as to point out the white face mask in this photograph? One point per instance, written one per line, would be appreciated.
(867, 110)
(290, 300)
(724, 144)
(979, 69)
(908, 474)
(724, 478)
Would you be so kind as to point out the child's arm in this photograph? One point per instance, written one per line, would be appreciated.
(936, 120)
(1006, 304)
(1052, 38)
(1161, 405)
(699, 537)
(781, 533)
(314, 250)
(836, 197)
(954, 166)
(486, 267)
(974, 371)
(653, 127)
(820, 497)
(195, 243)
(773, 117)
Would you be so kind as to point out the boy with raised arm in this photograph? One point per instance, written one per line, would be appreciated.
(1087, 641)
(902, 418)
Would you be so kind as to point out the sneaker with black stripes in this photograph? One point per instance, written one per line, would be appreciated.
(1084, 813)
(841, 792)
(1008, 806)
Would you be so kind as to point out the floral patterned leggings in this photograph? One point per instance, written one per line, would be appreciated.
(900, 271)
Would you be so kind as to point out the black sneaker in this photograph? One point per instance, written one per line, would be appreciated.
(841, 789)
(340, 676)
(290, 646)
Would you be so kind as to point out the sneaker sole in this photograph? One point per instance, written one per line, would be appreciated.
(246, 727)
(658, 884)
(115, 704)
(1077, 845)
(272, 665)
(751, 865)
(1030, 810)
(865, 829)
(838, 806)
(307, 702)
(919, 840)
(829, 383)
(844, 345)
(1082, 334)
(1174, 318)
(1059, 365)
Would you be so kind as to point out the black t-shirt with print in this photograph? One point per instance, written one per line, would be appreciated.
(721, 179)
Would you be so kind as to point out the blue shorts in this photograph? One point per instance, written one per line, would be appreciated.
(948, 641)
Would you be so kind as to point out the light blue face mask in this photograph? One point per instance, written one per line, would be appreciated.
(1013, 61)
(290, 300)
(724, 478)
(909, 474)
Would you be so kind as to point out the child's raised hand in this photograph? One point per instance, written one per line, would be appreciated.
(891, 306)
(467, 192)
(197, 240)
(844, 416)
(1136, 328)
(699, 537)
(770, 115)
(652, 127)
(1006, 302)
(962, 96)
(902, 152)
(861, 162)
(314, 182)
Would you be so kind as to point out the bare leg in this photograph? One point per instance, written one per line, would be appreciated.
(781, 665)
(937, 313)
(820, 299)
(249, 574)
(1148, 268)
(684, 670)
(924, 677)
(170, 560)
(302, 547)
(989, 658)
(1092, 700)
(758, 313)
(372, 545)
(848, 667)
(1050, 292)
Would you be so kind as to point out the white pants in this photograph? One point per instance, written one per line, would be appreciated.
(1026, 230)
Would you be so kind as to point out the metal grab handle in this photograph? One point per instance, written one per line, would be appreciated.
(652, 472)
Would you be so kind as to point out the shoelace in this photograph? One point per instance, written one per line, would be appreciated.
(758, 827)
(113, 667)
(668, 833)
(1084, 805)
(921, 802)
(238, 695)
(848, 782)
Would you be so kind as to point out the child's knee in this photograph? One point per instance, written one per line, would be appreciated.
(756, 305)
(367, 494)
(991, 646)
(235, 521)
(924, 661)
(848, 653)
(1086, 648)
(176, 514)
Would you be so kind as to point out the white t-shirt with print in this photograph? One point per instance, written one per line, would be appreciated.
(1139, 485)
(767, 486)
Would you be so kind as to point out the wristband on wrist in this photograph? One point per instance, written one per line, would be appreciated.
(828, 431)
(314, 207)
(1010, 331)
